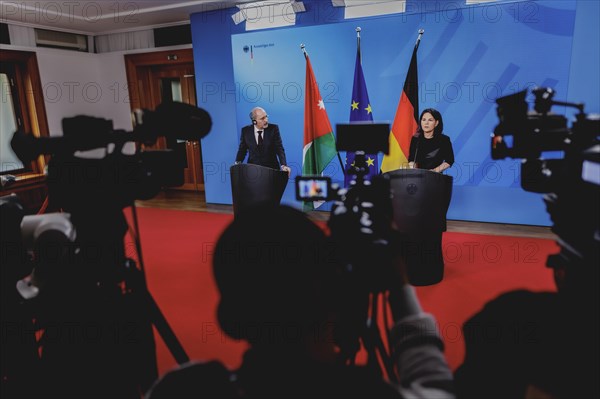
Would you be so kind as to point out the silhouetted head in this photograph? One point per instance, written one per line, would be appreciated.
(274, 273)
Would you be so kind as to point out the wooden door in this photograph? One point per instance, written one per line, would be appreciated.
(154, 78)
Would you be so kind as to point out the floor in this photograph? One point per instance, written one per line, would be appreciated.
(195, 201)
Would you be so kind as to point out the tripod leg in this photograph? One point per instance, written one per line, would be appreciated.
(374, 343)
(166, 332)
(147, 306)
(156, 316)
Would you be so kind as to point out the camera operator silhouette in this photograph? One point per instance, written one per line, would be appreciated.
(545, 344)
(527, 344)
(280, 294)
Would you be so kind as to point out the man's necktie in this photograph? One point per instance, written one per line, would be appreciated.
(260, 137)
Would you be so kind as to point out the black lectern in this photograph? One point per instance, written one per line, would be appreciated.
(420, 199)
(254, 184)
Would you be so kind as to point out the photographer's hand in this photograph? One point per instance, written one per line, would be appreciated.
(416, 345)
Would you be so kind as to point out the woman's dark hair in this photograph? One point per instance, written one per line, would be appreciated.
(437, 116)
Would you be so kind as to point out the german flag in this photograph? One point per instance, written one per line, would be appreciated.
(406, 119)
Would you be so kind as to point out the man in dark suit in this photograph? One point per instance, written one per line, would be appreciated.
(262, 142)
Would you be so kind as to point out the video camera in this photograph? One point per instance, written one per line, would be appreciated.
(92, 192)
(571, 183)
(360, 137)
(363, 238)
(71, 267)
(117, 178)
(361, 215)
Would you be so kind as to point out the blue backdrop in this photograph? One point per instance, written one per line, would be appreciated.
(469, 56)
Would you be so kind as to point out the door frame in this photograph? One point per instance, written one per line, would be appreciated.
(137, 99)
(138, 69)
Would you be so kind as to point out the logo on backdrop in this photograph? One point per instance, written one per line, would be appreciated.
(251, 49)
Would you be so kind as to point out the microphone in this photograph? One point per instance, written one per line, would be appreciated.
(417, 151)
(173, 120)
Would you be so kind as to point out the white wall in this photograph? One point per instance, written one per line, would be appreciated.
(84, 84)
(75, 83)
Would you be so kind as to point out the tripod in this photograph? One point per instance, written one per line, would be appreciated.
(365, 330)
(93, 313)
(96, 312)
(363, 285)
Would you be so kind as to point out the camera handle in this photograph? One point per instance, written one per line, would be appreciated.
(359, 168)
(544, 101)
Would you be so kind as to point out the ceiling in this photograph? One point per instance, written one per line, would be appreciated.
(99, 17)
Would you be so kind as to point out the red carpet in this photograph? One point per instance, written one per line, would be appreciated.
(177, 249)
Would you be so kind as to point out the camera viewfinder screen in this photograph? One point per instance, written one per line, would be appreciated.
(313, 188)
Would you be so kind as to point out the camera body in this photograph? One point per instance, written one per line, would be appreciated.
(117, 179)
(360, 137)
(571, 184)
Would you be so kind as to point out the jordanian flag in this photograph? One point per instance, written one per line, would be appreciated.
(319, 142)
(405, 122)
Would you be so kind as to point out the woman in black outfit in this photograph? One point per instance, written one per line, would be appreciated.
(429, 148)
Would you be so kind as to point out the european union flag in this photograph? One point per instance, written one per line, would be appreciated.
(360, 111)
